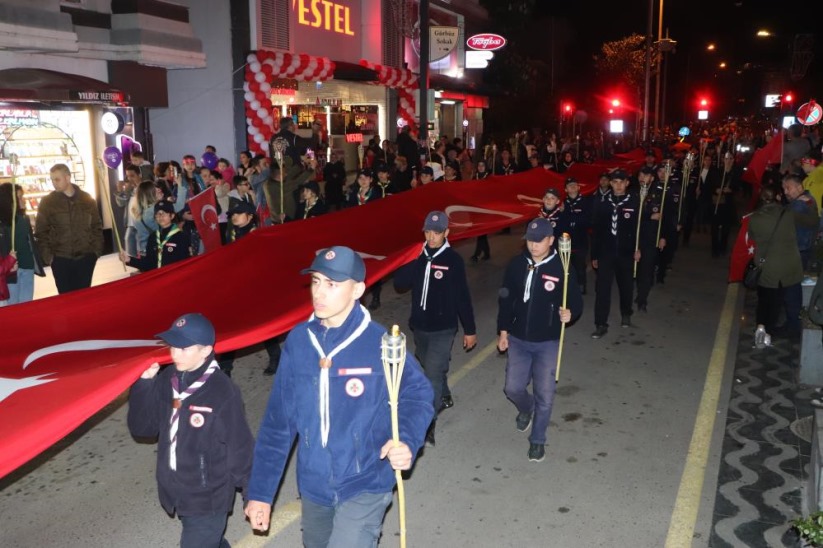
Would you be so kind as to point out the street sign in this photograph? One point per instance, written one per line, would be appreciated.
(809, 113)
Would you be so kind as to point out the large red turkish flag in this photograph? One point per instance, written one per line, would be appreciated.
(68, 356)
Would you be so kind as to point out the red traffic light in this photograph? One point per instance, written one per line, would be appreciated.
(567, 107)
(615, 102)
(787, 98)
(704, 102)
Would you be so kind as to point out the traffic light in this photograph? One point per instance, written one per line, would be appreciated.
(704, 102)
(567, 108)
(703, 109)
(615, 102)
(787, 97)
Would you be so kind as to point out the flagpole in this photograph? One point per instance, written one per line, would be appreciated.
(106, 198)
(14, 163)
(564, 246)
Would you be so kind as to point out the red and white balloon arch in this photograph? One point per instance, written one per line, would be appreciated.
(262, 66)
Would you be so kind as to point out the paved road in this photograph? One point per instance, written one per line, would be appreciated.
(622, 425)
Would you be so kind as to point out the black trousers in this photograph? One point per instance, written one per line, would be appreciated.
(482, 246)
(612, 268)
(578, 261)
(72, 274)
(721, 226)
(666, 256)
(645, 273)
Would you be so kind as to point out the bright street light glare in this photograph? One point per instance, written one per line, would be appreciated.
(710, 47)
(763, 33)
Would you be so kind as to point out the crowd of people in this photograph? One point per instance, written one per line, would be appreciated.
(628, 231)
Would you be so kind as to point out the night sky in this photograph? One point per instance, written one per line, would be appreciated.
(730, 24)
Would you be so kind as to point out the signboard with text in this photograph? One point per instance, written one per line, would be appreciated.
(328, 28)
(442, 41)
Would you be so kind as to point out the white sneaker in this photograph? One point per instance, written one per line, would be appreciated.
(760, 337)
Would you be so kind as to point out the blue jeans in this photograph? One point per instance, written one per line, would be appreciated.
(23, 290)
(204, 531)
(355, 523)
(433, 350)
(535, 363)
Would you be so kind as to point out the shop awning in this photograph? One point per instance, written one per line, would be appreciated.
(49, 86)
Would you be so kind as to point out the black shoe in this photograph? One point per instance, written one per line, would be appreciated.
(475, 258)
(523, 421)
(600, 331)
(641, 308)
(375, 304)
(537, 452)
(582, 289)
(486, 257)
(430, 436)
(270, 370)
(626, 321)
(447, 402)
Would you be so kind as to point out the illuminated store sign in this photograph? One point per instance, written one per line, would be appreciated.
(323, 14)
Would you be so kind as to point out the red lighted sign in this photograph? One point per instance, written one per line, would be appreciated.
(486, 42)
(354, 137)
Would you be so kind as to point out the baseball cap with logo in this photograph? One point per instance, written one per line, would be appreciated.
(338, 263)
(618, 174)
(553, 191)
(163, 205)
(436, 221)
(241, 206)
(538, 229)
(188, 330)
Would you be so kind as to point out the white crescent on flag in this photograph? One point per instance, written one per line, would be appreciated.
(208, 207)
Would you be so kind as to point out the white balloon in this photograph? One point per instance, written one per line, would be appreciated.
(258, 139)
(255, 104)
(248, 96)
(260, 77)
(255, 67)
(246, 86)
(261, 113)
(254, 130)
(265, 87)
(251, 58)
(312, 64)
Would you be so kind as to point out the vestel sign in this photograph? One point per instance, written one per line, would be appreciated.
(486, 42)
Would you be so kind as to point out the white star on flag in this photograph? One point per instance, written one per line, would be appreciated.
(10, 386)
(213, 226)
(751, 250)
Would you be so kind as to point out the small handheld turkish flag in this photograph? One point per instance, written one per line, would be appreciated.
(742, 251)
(204, 211)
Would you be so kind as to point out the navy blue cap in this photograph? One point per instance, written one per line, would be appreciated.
(188, 330)
(538, 229)
(338, 263)
(313, 186)
(618, 174)
(367, 172)
(437, 221)
(381, 167)
(241, 206)
(646, 170)
(163, 205)
(553, 191)
(571, 181)
(427, 170)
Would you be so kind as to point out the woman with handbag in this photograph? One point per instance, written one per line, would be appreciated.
(781, 271)
(29, 262)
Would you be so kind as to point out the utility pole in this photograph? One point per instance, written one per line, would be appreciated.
(648, 73)
(423, 134)
(657, 125)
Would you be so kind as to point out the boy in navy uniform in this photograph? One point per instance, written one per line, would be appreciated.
(204, 442)
(528, 321)
(657, 208)
(614, 252)
(166, 245)
(346, 457)
(578, 218)
(440, 296)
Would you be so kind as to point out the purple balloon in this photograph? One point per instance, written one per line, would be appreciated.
(209, 160)
(112, 157)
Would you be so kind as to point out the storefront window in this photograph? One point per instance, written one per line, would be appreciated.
(32, 141)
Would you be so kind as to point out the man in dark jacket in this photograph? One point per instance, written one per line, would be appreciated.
(69, 232)
(204, 442)
(440, 296)
(528, 321)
